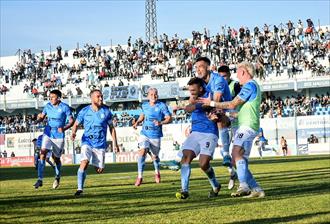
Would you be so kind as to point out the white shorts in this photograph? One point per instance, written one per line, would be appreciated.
(56, 145)
(150, 144)
(201, 143)
(233, 132)
(244, 138)
(94, 156)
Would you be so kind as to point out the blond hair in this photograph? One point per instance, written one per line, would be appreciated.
(152, 89)
(248, 67)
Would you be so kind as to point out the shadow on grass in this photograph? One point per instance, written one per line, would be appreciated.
(282, 219)
(18, 173)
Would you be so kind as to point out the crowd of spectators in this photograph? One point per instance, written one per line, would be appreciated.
(19, 124)
(270, 107)
(300, 105)
(286, 47)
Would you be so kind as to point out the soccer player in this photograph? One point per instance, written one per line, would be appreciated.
(248, 105)
(262, 142)
(37, 147)
(57, 114)
(95, 118)
(201, 141)
(218, 87)
(234, 88)
(154, 114)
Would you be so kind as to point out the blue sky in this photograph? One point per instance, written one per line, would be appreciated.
(40, 24)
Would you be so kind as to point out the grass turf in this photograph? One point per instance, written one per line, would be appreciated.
(297, 191)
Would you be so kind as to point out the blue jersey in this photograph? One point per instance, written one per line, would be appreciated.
(217, 84)
(248, 92)
(96, 125)
(201, 123)
(39, 141)
(157, 112)
(56, 118)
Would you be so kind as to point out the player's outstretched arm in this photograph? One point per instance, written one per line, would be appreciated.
(222, 105)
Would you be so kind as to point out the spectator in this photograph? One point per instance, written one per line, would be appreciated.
(284, 146)
(312, 139)
(12, 154)
(176, 146)
(4, 154)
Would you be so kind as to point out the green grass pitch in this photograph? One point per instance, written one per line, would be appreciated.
(297, 191)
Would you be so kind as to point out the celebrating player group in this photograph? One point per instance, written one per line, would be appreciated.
(224, 113)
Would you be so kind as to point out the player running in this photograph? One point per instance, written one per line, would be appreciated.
(57, 114)
(154, 114)
(95, 118)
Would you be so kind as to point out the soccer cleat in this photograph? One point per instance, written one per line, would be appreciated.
(56, 183)
(157, 178)
(231, 182)
(38, 184)
(241, 192)
(182, 195)
(78, 193)
(171, 165)
(138, 181)
(226, 160)
(256, 194)
(214, 194)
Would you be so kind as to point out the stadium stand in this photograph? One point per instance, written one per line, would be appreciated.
(283, 56)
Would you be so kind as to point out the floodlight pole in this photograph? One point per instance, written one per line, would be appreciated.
(151, 20)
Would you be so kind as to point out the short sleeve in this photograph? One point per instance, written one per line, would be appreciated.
(165, 110)
(247, 91)
(109, 118)
(219, 85)
(81, 115)
(68, 112)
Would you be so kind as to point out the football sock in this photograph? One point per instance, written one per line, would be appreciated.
(141, 165)
(185, 176)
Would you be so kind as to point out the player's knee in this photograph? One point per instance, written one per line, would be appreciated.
(204, 165)
(154, 157)
(237, 153)
(142, 152)
(83, 165)
(42, 156)
(56, 160)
